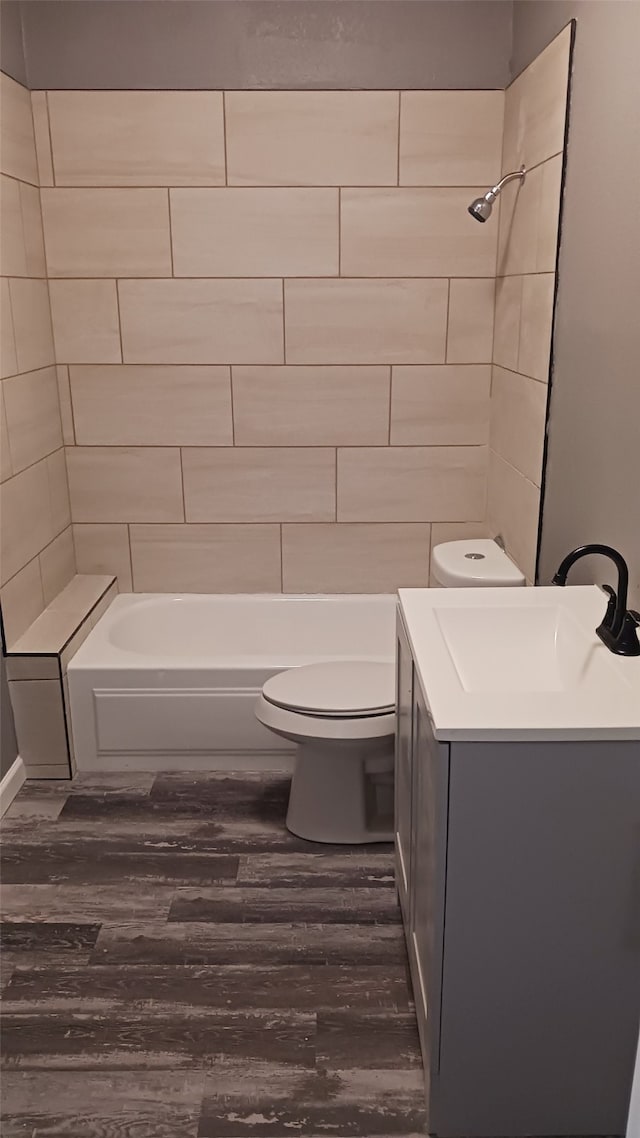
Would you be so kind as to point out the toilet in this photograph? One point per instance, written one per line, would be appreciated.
(342, 716)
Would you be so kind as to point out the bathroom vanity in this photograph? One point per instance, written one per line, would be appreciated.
(518, 858)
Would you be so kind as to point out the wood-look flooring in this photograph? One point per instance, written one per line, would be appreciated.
(175, 964)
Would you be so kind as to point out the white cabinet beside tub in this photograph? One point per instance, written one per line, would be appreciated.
(518, 872)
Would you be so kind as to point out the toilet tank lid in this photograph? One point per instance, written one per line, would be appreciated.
(479, 561)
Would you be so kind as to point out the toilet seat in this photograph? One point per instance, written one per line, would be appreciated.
(338, 690)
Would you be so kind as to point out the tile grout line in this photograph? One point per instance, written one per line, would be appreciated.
(48, 109)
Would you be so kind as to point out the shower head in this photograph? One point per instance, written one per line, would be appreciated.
(481, 208)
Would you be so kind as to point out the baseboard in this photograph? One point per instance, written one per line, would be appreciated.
(11, 783)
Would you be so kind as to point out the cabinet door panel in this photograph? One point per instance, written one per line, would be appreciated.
(430, 784)
(403, 769)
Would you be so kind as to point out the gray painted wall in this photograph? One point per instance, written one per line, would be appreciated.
(267, 43)
(12, 60)
(593, 464)
(8, 745)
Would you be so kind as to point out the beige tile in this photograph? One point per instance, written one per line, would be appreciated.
(513, 505)
(39, 721)
(152, 406)
(206, 558)
(40, 111)
(310, 406)
(506, 331)
(104, 549)
(33, 416)
(411, 484)
(85, 321)
(470, 329)
(518, 416)
(58, 492)
(535, 325)
(81, 594)
(32, 667)
(544, 99)
(259, 484)
(6, 469)
(76, 642)
(358, 558)
(100, 609)
(33, 231)
(107, 233)
(255, 232)
(57, 565)
(66, 410)
(48, 771)
(48, 633)
(440, 405)
(13, 262)
(518, 225)
(549, 214)
(312, 138)
(122, 484)
(202, 321)
(137, 138)
(18, 156)
(26, 518)
(8, 356)
(365, 321)
(22, 601)
(450, 138)
(413, 233)
(32, 323)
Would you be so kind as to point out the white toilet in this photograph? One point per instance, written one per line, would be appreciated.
(342, 716)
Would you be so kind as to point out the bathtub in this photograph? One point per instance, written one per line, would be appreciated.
(168, 682)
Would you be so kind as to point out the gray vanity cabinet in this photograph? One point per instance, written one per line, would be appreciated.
(518, 871)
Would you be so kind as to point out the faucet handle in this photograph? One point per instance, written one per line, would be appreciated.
(627, 643)
(607, 619)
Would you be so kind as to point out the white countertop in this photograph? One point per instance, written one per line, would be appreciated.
(556, 680)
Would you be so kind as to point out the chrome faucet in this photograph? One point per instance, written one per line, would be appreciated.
(618, 627)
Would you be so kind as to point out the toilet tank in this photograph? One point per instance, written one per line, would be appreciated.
(478, 563)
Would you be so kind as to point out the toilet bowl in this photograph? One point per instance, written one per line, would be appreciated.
(342, 716)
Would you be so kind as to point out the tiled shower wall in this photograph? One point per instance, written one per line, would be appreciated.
(36, 546)
(276, 317)
(534, 134)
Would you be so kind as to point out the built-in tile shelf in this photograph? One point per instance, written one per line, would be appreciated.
(37, 672)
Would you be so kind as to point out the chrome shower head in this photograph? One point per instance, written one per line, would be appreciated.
(481, 208)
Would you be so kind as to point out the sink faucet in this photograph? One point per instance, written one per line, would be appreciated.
(618, 627)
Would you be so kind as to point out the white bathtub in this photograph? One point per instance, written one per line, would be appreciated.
(166, 682)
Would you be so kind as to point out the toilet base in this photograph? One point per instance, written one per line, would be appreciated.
(328, 801)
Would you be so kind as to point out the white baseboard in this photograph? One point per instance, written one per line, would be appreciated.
(11, 783)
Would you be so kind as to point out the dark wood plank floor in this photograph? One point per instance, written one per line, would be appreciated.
(177, 965)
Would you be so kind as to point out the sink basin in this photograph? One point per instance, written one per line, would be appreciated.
(541, 649)
(517, 664)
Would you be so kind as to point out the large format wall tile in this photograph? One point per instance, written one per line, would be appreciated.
(535, 106)
(6, 467)
(254, 232)
(450, 138)
(59, 500)
(310, 406)
(535, 325)
(506, 331)
(144, 405)
(120, 484)
(31, 323)
(470, 327)
(107, 233)
(40, 110)
(104, 549)
(411, 484)
(202, 321)
(33, 416)
(137, 138)
(512, 511)
(22, 600)
(354, 558)
(12, 247)
(206, 558)
(365, 321)
(260, 484)
(413, 233)
(57, 564)
(85, 321)
(312, 138)
(518, 415)
(26, 518)
(8, 355)
(18, 152)
(440, 405)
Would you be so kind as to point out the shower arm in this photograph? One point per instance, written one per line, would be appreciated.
(495, 190)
